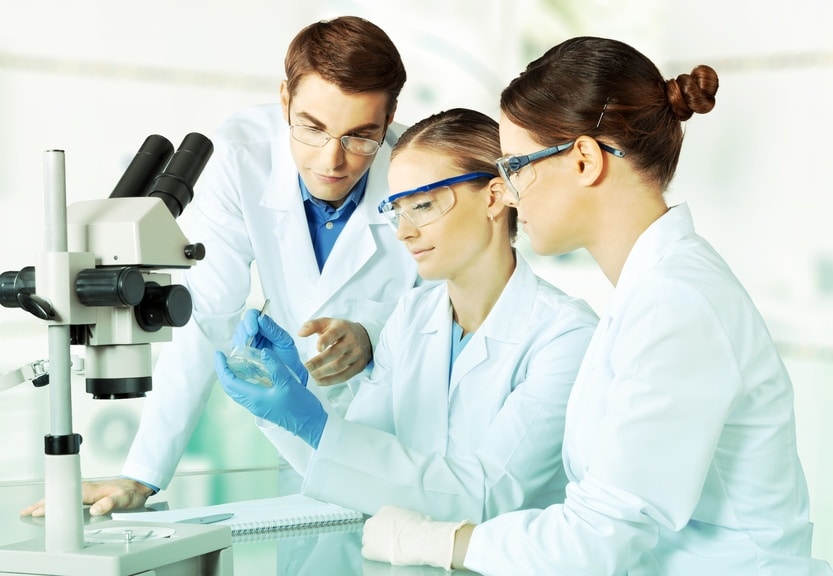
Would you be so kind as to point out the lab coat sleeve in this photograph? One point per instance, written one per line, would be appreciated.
(363, 465)
(373, 408)
(219, 285)
(335, 400)
(673, 383)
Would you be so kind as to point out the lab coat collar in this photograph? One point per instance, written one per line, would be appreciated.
(356, 243)
(506, 324)
(649, 249)
(509, 317)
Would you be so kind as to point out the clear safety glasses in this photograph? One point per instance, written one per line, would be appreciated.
(319, 138)
(518, 173)
(426, 204)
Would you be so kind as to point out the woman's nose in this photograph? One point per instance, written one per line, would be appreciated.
(405, 228)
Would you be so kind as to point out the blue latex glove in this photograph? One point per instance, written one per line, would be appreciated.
(267, 334)
(287, 403)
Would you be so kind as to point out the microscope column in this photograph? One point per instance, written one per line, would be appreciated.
(62, 465)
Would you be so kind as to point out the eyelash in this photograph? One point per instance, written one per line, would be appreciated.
(422, 205)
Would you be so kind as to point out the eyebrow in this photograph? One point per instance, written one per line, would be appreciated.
(368, 127)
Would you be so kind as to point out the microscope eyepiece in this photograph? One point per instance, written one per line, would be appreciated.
(146, 164)
(158, 171)
(175, 185)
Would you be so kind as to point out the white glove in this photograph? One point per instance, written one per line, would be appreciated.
(405, 537)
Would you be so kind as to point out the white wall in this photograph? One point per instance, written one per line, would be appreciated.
(94, 77)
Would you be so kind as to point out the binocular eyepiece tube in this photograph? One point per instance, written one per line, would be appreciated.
(157, 171)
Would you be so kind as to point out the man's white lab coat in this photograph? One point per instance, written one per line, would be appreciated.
(247, 207)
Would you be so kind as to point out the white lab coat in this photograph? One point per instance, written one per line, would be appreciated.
(248, 207)
(680, 439)
(488, 441)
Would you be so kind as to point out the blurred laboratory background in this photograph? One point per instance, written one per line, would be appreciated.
(95, 77)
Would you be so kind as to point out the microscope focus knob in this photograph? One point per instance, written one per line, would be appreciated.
(164, 306)
(195, 251)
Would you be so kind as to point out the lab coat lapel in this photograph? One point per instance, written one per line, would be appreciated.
(292, 240)
(504, 326)
(474, 354)
(428, 405)
(354, 247)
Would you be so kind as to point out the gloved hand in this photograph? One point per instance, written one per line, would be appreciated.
(406, 537)
(287, 402)
(266, 334)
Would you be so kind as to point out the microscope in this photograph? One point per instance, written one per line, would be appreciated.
(100, 283)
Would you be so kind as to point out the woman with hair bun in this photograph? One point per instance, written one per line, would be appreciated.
(679, 444)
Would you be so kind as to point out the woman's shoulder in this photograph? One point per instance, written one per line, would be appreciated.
(425, 295)
(551, 300)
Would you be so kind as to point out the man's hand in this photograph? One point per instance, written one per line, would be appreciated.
(344, 349)
(104, 497)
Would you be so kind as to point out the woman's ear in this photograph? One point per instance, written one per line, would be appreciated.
(590, 160)
(495, 198)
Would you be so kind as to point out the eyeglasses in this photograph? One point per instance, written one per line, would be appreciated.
(518, 180)
(425, 204)
(319, 138)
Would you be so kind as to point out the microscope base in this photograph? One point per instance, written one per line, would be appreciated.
(193, 550)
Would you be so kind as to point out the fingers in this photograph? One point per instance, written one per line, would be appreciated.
(104, 506)
(280, 372)
(337, 364)
(270, 329)
(36, 510)
(383, 531)
(229, 382)
(330, 331)
(104, 496)
(116, 494)
(246, 329)
(345, 351)
(284, 347)
(314, 326)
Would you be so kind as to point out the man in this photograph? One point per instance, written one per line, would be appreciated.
(290, 187)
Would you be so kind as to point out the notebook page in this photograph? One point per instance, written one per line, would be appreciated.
(252, 516)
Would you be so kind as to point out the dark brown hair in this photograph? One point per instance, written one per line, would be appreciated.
(469, 138)
(610, 91)
(350, 52)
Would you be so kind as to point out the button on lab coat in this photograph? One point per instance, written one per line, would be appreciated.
(680, 438)
(248, 207)
(484, 442)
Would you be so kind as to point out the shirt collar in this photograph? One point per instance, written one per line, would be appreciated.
(354, 196)
(649, 249)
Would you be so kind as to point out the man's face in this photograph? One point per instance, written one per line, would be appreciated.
(330, 172)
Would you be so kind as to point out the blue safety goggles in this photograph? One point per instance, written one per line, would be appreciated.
(435, 200)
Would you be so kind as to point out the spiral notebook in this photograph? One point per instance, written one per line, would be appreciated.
(255, 516)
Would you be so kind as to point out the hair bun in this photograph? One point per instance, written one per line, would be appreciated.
(690, 93)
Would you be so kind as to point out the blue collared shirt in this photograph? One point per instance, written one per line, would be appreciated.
(325, 222)
(458, 342)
